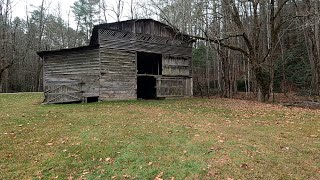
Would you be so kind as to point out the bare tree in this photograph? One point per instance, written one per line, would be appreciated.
(308, 11)
(5, 60)
(103, 9)
(118, 10)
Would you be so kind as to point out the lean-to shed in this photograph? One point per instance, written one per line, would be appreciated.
(131, 59)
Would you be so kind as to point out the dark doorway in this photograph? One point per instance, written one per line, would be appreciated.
(146, 87)
(149, 63)
(92, 99)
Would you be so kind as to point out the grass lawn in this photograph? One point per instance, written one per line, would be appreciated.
(187, 138)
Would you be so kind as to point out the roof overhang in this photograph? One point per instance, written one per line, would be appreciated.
(59, 51)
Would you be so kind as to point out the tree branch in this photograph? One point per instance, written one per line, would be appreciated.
(219, 41)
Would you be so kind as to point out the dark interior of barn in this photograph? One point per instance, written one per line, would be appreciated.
(146, 87)
(148, 66)
(149, 63)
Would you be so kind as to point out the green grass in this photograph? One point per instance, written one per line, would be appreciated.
(184, 139)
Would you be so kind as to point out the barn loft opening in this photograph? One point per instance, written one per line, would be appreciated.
(149, 63)
(146, 87)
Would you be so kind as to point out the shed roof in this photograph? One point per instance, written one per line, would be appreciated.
(43, 53)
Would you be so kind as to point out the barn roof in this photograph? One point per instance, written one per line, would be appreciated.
(129, 26)
(125, 26)
(43, 53)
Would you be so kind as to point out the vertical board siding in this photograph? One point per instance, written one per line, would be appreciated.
(64, 71)
(175, 66)
(141, 26)
(174, 87)
(118, 74)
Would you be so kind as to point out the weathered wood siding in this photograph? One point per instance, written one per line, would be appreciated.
(118, 74)
(118, 80)
(174, 87)
(140, 26)
(71, 72)
(175, 66)
(148, 26)
(143, 43)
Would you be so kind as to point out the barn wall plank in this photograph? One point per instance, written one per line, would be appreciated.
(160, 45)
(73, 68)
(175, 66)
(118, 74)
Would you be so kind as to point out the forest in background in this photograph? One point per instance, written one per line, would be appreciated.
(254, 46)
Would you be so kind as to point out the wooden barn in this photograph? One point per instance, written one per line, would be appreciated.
(134, 59)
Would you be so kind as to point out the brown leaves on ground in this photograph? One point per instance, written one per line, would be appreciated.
(159, 176)
(222, 134)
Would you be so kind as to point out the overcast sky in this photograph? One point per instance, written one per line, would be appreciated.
(19, 8)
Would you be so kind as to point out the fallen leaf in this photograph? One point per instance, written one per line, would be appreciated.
(108, 159)
(284, 148)
(244, 166)
(70, 177)
(49, 144)
(126, 176)
(159, 176)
